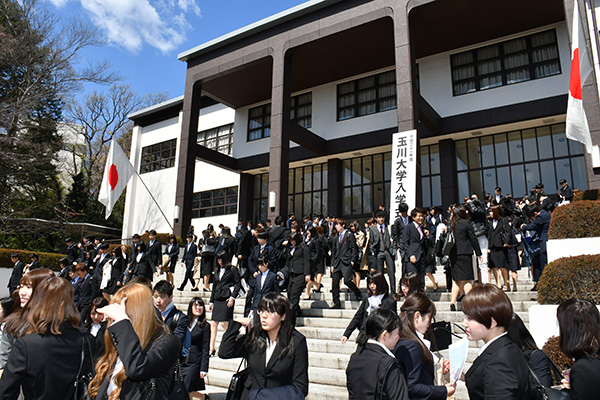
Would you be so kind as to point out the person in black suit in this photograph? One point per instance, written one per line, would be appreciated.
(500, 371)
(72, 250)
(414, 353)
(265, 282)
(286, 365)
(380, 246)
(498, 238)
(373, 372)
(540, 225)
(64, 264)
(154, 251)
(378, 297)
(96, 325)
(112, 274)
(33, 264)
(397, 232)
(143, 344)
(413, 244)
(261, 250)
(344, 255)
(190, 252)
(243, 249)
(140, 265)
(82, 246)
(85, 291)
(100, 260)
(298, 262)
(196, 367)
(315, 246)
(172, 250)
(16, 274)
(579, 326)
(45, 363)
(226, 244)
(222, 297)
(278, 235)
(176, 320)
(565, 193)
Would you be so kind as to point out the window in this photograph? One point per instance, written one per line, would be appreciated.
(260, 197)
(301, 110)
(513, 61)
(366, 183)
(158, 156)
(219, 139)
(259, 122)
(431, 183)
(215, 202)
(366, 96)
(517, 161)
(307, 190)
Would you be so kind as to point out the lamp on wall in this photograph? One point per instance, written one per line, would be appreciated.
(272, 200)
(176, 213)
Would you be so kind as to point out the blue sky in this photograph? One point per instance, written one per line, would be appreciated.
(144, 36)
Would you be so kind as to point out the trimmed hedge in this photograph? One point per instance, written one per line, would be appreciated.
(552, 349)
(570, 277)
(576, 220)
(48, 260)
(592, 194)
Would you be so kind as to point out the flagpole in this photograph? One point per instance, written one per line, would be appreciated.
(155, 202)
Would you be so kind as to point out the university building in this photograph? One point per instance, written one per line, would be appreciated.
(296, 112)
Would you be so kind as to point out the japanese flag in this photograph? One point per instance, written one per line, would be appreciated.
(581, 66)
(117, 173)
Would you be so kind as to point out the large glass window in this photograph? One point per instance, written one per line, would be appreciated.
(215, 202)
(518, 160)
(219, 139)
(308, 190)
(260, 197)
(366, 96)
(366, 183)
(259, 122)
(301, 110)
(431, 183)
(158, 156)
(517, 60)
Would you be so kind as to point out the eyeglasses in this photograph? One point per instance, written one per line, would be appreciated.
(266, 312)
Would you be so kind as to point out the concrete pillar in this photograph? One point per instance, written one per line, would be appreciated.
(448, 174)
(335, 197)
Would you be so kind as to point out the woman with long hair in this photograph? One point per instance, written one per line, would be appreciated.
(112, 274)
(498, 236)
(222, 297)
(461, 256)
(377, 297)
(579, 326)
(373, 372)
(277, 354)
(413, 350)
(359, 236)
(172, 251)
(207, 246)
(46, 362)
(197, 365)
(16, 323)
(315, 247)
(139, 347)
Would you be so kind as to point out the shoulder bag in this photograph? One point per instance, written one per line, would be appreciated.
(236, 385)
(540, 392)
(82, 380)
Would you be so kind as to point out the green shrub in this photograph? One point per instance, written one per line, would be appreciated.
(552, 349)
(570, 277)
(576, 220)
(48, 260)
(592, 194)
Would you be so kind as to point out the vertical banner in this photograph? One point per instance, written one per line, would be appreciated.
(404, 172)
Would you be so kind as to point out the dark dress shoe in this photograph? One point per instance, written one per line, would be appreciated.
(195, 290)
(180, 289)
(335, 307)
(534, 288)
(452, 307)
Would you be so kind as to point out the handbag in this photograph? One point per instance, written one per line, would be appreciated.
(287, 392)
(177, 391)
(236, 385)
(540, 392)
(449, 242)
(82, 380)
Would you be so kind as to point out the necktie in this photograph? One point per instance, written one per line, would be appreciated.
(420, 231)
(341, 236)
(381, 227)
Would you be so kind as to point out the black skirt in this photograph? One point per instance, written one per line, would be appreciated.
(497, 258)
(191, 377)
(207, 262)
(513, 259)
(222, 313)
(462, 268)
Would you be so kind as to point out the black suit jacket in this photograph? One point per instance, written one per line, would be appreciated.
(221, 286)
(279, 371)
(418, 374)
(465, 239)
(154, 252)
(174, 253)
(496, 237)
(344, 253)
(199, 349)
(271, 285)
(379, 243)
(397, 231)
(179, 327)
(500, 372)
(366, 367)
(144, 268)
(72, 253)
(15, 276)
(540, 224)
(412, 242)
(157, 361)
(360, 317)
(45, 366)
(267, 252)
(85, 293)
(585, 375)
(190, 252)
(299, 262)
(244, 245)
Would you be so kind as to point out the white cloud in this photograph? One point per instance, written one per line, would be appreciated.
(133, 23)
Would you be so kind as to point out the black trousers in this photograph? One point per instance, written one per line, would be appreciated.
(343, 272)
(295, 287)
(417, 267)
(189, 267)
(386, 257)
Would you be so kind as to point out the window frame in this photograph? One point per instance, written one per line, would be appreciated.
(264, 126)
(202, 209)
(152, 157)
(356, 91)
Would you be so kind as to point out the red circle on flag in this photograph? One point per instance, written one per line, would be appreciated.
(113, 176)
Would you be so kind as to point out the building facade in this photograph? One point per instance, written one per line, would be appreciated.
(311, 97)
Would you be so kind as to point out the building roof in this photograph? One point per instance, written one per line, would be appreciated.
(156, 108)
(262, 25)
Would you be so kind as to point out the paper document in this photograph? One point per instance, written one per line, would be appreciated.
(458, 358)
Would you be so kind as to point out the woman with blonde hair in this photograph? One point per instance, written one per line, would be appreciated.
(139, 348)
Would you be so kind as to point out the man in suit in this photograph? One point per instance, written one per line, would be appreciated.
(380, 246)
(176, 320)
(64, 268)
(101, 258)
(72, 251)
(154, 251)
(190, 252)
(85, 291)
(16, 274)
(265, 281)
(242, 251)
(413, 244)
(344, 255)
(299, 269)
(397, 230)
(261, 251)
(540, 225)
(85, 240)
(277, 236)
(498, 195)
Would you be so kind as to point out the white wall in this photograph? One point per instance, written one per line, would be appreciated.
(435, 79)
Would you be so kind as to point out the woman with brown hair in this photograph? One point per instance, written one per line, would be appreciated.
(498, 236)
(413, 350)
(16, 323)
(48, 360)
(139, 348)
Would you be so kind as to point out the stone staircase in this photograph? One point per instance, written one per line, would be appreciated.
(323, 328)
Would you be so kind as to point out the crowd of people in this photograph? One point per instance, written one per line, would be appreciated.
(103, 329)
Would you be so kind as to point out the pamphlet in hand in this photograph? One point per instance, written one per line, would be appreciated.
(458, 358)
